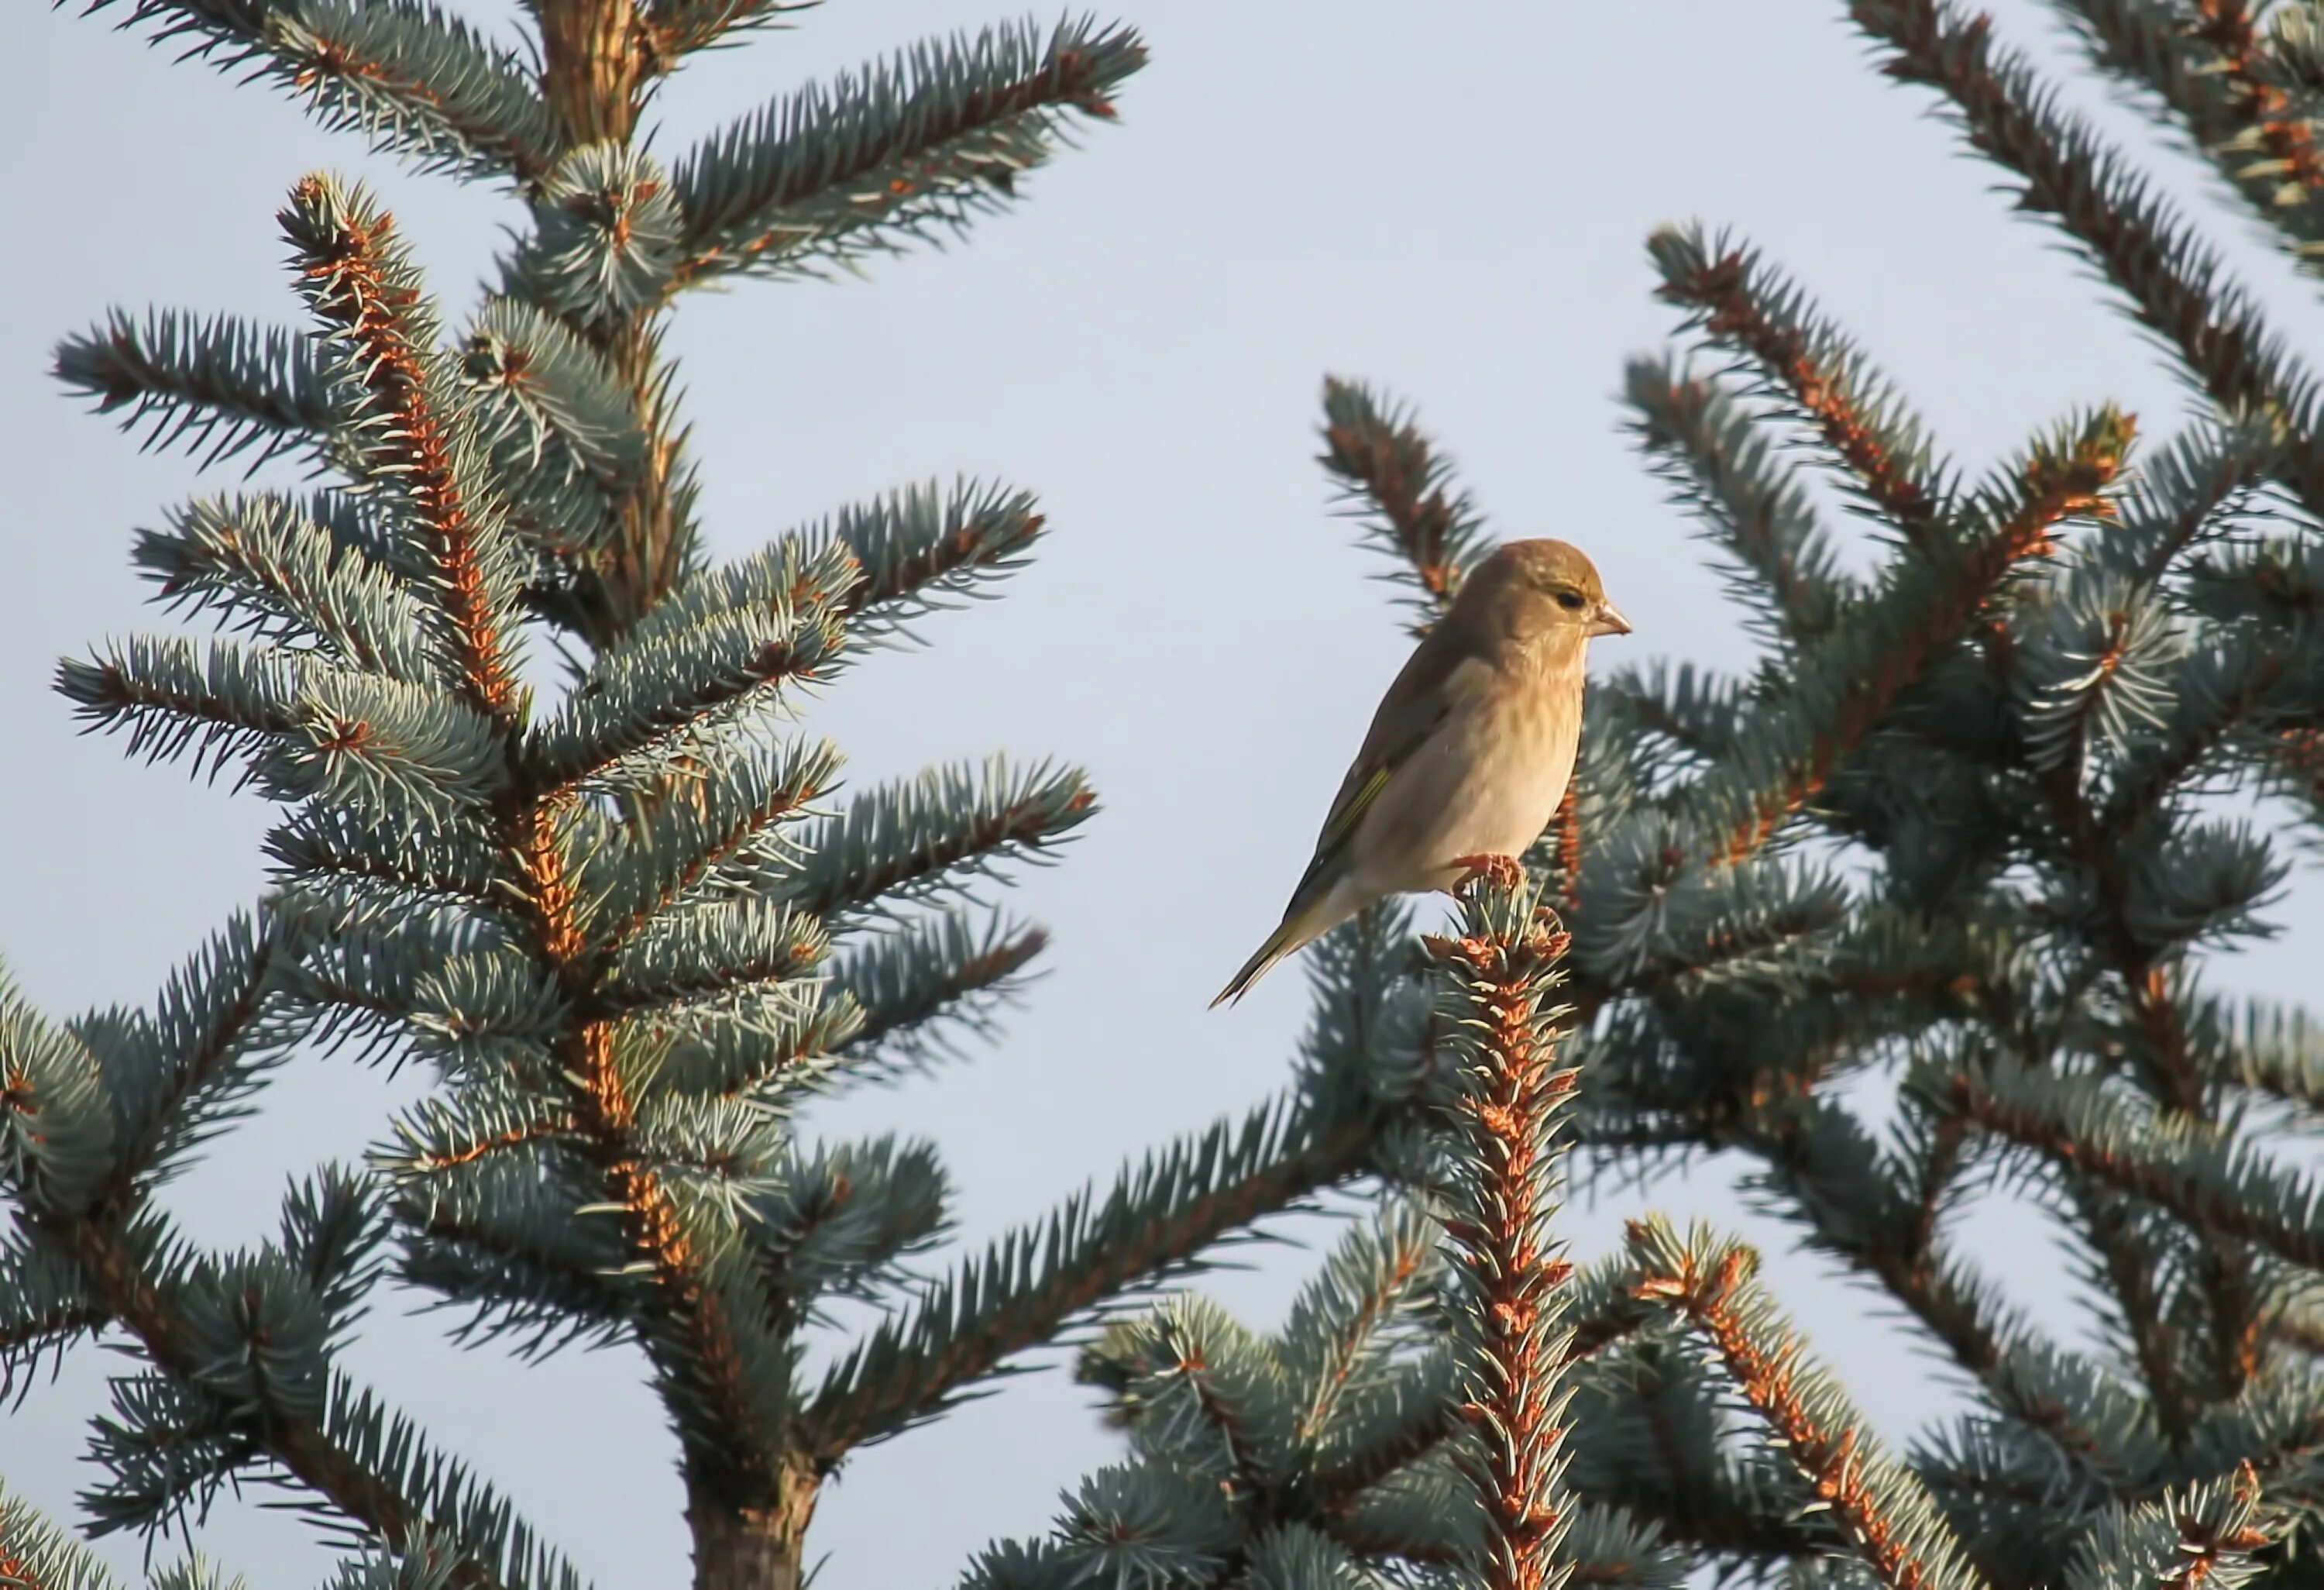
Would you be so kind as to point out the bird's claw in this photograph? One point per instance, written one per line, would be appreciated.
(1504, 872)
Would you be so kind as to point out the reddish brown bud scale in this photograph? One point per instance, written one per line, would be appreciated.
(414, 444)
(1768, 1380)
(2228, 27)
(1508, 1118)
(1722, 289)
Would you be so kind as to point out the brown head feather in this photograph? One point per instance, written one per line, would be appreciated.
(1531, 589)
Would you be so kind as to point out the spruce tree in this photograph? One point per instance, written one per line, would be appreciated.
(1918, 910)
(619, 910)
(1968, 834)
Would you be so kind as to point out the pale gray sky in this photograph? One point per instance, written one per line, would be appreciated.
(1449, 201)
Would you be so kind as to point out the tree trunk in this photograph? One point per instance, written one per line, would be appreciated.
(752, 1548)
(591, 67)
(596, 66)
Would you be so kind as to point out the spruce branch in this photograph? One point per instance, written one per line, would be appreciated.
(652, 707)
(920, 984)
(170, 698)
(911, 149)
(719, 817)
(2201, 1538)
(306, 730)
(1920, 614)
(1392, 479)
(729, 954)
(563, 437)
(708, 1332)
(243, 1344)
(1649, 1438)
(2187, 493)
(1337, 1346)
(2132, 1265)
(2092, 669)
(1706, 926)
(221, 387)
(44, 1307)
(438, 1136)
(2140, 908)
(360, 1463)
(1712, 450)
(1696, 711)
(514, 1289)
(1809, 369)
(1887, 1519)
(842, 1219)
(359, 278)
(2223, 700)
(36, 1555)
(879, 564)
(181, 1074)
(1371, 1033)
(949, 824)
(1123, 1525)
(483, 1541)
(365, 979)
(1421, 1410)
(1841, 1188)
(1608, 1546)
(2177, 288)
(412, 77)
(923, 549)
(588, 925)
(58, 1140)
(1509, 1108)
(1025, 1287)
(489, 1191)
(672, 30)
(766, 1065)
(608, 241)
(1336, 1438)
(330, 859)
(2273, 1049)
(2232, 91)
(2298, 755)
(2211, 1181)
(261, 565)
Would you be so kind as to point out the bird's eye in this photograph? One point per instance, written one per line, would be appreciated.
(1570, 600)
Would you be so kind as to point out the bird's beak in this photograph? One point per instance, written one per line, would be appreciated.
(1610, 621)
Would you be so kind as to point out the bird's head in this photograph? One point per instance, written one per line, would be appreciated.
(1541, 590)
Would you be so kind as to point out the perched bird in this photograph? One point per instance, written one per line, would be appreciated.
(1470, 750)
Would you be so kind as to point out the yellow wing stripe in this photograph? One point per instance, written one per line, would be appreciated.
(1343, 822)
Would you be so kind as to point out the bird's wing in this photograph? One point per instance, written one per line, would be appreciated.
(1443, 672)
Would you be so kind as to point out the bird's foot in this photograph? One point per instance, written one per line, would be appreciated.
(1505, 871)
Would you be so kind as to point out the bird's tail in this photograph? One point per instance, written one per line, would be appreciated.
(1299, 927)
(1278, 944)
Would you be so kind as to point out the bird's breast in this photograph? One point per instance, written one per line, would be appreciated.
(1488, 783)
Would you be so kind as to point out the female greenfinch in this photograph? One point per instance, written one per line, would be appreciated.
(1470, 750)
